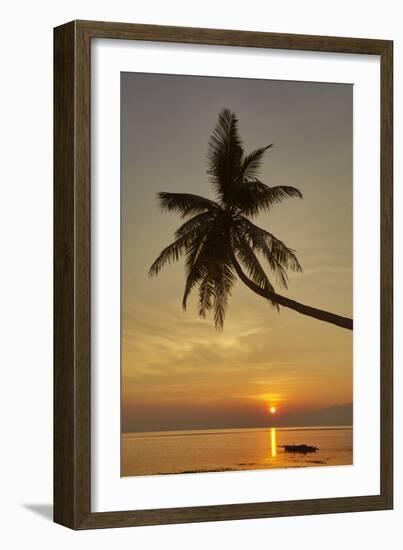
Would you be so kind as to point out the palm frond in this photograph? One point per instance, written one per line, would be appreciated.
(193, 278)
(223, 283)
(208, 267)
(199, 224)
(253, 196)
(225, 153)
(196, 266)
(185, 203)
(169, 254)
(247, 257)
(279, 257)
(252, 162)
(225, 133)
(206, 293)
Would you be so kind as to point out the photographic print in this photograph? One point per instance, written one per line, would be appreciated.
(209, 363)
(237, 274)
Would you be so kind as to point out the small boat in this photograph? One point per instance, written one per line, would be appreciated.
(299, 448)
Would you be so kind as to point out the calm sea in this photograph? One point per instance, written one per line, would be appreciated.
(219, 450)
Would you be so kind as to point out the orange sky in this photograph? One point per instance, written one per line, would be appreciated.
(178, 372)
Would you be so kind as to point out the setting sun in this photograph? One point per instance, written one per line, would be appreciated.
(272, 410)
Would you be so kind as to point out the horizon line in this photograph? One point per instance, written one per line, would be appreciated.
(237, 429)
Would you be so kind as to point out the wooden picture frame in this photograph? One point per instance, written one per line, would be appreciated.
(72, 269)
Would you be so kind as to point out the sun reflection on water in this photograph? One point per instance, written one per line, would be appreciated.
(273, 442)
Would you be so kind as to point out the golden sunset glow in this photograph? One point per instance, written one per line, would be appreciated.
(266, 367)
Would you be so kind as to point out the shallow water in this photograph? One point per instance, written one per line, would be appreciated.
(148, 453)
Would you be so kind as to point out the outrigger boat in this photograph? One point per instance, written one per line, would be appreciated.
(299, 448)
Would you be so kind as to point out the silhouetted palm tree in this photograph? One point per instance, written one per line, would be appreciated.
(219, 236)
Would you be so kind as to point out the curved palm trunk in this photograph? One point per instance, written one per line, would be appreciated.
(326, 316)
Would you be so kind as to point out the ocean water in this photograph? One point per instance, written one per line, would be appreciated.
(150, 453)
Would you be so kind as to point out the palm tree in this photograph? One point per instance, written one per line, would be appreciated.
(219, 239)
